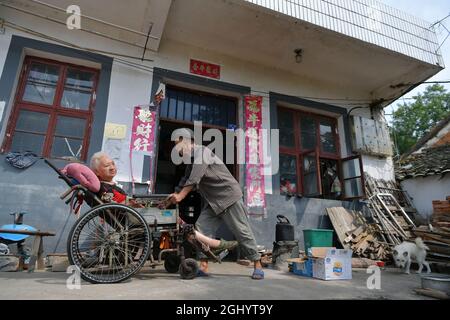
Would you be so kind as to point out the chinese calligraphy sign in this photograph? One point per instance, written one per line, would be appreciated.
(254, 181)
(205, 69)
(143, 131)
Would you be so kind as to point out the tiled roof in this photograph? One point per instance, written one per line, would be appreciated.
(432, 161)
(433, 132)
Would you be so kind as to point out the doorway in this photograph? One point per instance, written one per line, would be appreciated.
(179, 110)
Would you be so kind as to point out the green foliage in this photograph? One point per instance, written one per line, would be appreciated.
(413, 120)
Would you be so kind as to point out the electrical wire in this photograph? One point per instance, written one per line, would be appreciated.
(27, 30)
(440, 21)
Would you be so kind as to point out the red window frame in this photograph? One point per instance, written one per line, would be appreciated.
(55, 109)
(318, 151)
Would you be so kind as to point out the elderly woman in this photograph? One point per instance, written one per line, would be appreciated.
(105, 169)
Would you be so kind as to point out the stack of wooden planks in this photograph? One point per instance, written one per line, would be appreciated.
(356, 233)
(437, 238)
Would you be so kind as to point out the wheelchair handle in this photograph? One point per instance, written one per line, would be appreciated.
(60, 174)
(66, 193)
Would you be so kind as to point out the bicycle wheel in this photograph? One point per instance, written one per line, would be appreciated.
(109, 243)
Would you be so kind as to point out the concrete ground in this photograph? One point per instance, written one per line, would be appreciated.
(229, 281)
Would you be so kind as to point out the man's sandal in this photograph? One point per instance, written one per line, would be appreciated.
(258, 274)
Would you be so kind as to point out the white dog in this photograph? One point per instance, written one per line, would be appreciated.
(408, 252)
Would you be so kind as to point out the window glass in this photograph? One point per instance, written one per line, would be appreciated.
(205, 115)
(77, 89)
(327, 138)
(23, 141)
(195, 108)
(310, 178)
(70, 127)
(41, 83)
(191, 106)
(164, 109)
(351, 168)
(353, 188)
(32, 121)
(180, 106)
(308, 133)
(286, 127)
(66, 147)
(288, 174)
(188, 107)
(231, 108)
(172, 105)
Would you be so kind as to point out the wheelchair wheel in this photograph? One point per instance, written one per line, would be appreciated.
(109, 243)
(172, 263)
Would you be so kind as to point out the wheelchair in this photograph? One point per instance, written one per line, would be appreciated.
(111, 242)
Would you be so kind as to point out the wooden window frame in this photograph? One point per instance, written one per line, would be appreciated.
(299, 152)
(54, 110)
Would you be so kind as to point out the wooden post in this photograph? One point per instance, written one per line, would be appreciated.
(36, 255)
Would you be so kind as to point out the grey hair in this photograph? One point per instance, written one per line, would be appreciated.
(95, 160)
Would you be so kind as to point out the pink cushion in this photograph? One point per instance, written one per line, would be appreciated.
(85, 176)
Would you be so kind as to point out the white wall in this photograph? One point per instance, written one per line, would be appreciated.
(424, 190)
(130, 86)
(379, 168)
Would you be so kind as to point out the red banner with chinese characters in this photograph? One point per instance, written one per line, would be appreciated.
(205, 69)
(143, 138)
(143, 130)
(254, 165)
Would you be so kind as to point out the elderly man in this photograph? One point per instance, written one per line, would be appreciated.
(105, 169)
(222, 194)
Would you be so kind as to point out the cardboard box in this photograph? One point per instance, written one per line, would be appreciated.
(318, 252)
(335, 265)
(301, 267)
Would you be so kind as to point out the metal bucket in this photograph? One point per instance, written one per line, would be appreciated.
(439, 282)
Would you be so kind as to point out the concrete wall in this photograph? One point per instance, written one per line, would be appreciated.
(36, 191)
(303, 213)
(379, 168)
(424, 190)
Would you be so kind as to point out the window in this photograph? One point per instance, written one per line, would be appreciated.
(53, 109)
(189, 106)
(310, 162)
